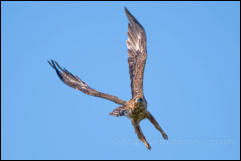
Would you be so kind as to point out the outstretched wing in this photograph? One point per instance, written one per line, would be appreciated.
(76, 83)
(137, 53)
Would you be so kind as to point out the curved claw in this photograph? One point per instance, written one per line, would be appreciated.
(119, 111)
(164, 135)
(157, 126)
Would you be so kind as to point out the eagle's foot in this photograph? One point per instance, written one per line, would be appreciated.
(164, 135)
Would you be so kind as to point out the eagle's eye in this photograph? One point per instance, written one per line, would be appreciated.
(138, 100)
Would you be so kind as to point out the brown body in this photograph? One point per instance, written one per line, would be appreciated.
(137, 111)
(135, 108)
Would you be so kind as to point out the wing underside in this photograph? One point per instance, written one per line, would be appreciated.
(76, 83)
(137, 54)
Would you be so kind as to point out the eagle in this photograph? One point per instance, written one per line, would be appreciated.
(136, 108)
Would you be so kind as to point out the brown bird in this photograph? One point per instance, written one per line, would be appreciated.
(135, 108)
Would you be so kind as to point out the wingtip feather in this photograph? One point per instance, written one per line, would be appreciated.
(53, 64)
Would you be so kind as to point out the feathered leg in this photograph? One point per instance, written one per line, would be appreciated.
(155, 123)
(140, 134)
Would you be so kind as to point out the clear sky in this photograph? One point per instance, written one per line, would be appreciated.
(192, 80)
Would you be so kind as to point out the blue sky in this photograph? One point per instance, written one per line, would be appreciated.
(192, 80)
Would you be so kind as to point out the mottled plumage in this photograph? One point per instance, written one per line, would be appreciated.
(135, 108)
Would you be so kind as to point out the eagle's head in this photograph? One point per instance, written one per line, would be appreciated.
(138, 100)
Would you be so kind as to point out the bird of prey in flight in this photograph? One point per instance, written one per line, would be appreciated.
(136, 107)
